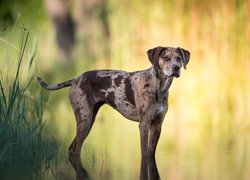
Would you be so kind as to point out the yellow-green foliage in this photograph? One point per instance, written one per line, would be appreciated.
(214, 91)
(215, 86)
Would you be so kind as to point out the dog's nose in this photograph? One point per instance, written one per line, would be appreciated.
(176, 68)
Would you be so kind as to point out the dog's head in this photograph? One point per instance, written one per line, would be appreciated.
(168, 60)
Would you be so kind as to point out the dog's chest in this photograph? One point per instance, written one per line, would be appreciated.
(159, 109)
(161, 103)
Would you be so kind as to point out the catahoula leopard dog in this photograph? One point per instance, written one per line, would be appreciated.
(140, 96)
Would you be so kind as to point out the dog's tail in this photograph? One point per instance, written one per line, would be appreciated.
(54, 86)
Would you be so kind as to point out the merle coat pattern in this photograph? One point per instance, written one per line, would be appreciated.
(140, 96)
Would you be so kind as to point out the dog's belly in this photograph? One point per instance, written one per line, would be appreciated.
(128, 111)
(118, 100)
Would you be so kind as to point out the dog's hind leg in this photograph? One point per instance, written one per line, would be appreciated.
(85, 113)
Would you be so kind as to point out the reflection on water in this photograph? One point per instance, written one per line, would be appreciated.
(112, 151)
(148, 170)
(189, 153)
(80, 171)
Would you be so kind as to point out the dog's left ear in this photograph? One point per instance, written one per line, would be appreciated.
(185, 56)
(154, 54)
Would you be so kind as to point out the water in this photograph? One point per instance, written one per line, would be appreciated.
(191, 152)
(188, 151)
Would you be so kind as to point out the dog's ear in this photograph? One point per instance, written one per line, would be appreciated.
(154, 54)
(185, 56)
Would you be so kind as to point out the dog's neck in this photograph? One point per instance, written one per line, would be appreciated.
(166, 83)
(162, 83)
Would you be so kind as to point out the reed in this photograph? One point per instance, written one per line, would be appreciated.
(24, 149)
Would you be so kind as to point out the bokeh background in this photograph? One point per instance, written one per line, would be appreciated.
(206, 133)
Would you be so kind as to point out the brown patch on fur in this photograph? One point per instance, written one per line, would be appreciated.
(82, 85)
(111, 99)
(118, 80)
(146, 86)
(98, 82)
(129, 91)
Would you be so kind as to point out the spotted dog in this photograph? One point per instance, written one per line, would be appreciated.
(141, 96)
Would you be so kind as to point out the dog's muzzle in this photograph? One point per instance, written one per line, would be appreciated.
(175, 71)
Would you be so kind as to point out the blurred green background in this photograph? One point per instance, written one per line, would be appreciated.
(206, 133)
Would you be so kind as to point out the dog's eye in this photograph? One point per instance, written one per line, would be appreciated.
(166, 58)
(178, 59)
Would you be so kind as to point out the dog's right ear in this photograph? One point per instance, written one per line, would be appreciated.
(185, 54)
(153, 55)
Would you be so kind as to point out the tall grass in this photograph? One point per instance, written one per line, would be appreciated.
(24, 149)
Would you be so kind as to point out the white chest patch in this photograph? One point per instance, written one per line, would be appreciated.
(159, 110)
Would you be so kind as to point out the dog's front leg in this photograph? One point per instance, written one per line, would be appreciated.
(155, 132)
(144, 133)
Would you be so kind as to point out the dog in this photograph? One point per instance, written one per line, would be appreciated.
(140, 96)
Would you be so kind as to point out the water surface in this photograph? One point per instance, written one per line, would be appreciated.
(112, 151)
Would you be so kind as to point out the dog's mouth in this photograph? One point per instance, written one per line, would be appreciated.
(176, 75)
